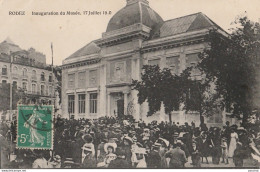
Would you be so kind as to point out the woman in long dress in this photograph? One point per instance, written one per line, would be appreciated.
(233, 143)
(31, 123)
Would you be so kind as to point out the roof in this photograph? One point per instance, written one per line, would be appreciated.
(134, 13)
(8, 46)
(184, 24)
(88, 49)
(9, 41)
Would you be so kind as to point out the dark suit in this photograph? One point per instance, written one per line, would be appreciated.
(177, 156)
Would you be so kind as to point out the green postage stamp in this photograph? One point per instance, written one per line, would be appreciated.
(35, 127)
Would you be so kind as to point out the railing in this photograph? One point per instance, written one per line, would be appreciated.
(39, 93)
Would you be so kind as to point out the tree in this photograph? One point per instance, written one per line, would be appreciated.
(158, 86)
(176, 92)
(5, 96)
(232, 64)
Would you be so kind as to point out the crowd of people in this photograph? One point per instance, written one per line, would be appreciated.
(108, 142)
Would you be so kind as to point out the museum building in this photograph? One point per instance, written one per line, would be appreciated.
(96, 79)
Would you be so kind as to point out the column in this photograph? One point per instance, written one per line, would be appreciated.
(87, 105)
(182, 60)
(76, 112)
(108, 104)
(102, 107)
(125, 102)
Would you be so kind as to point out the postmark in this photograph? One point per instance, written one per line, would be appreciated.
(35, 127)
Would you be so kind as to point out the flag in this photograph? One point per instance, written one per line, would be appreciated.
(51, 54)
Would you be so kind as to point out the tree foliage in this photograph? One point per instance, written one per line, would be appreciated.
(155, 87)
(232, 63)
(5, 96)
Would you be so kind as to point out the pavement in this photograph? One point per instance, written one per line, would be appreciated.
(250, 163)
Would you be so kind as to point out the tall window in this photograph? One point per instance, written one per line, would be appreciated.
(82, 98)
(192, 61)
(71, 80)
(50, 90)
(24, 72)
(33, 88)
(93, 78)
(4, 81)
(71, 101)
(42, 89)
(15, 84)
(50, 78)
(34, 74)
(93, 102)
(4, 70)
(154, 62)
(15, 70)
(82, 79)
(25, 86)
(172, 64)
(43, 76)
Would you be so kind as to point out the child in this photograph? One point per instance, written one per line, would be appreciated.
(110, 156)
(195, 155)
(224, 150)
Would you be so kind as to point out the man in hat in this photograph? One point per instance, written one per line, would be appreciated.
(88, 145)
(177, 157)
(154, 159)
(140, 157)
(127, 144)
(120, 161)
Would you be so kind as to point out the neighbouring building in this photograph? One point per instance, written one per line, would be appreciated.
(29, 72)
(96, 79)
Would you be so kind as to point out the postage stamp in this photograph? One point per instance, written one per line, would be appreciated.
(35, 127)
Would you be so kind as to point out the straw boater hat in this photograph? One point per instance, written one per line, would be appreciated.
(128, 139)
(166, 142)
(107, 145)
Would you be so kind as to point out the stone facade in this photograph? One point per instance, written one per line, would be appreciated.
(28, 72)
(106, 66)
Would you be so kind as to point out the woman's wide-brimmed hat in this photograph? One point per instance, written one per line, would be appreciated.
(107, 145)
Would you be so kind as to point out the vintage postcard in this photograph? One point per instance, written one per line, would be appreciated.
(130, 84)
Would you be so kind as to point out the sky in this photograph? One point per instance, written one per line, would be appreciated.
(70, 33)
